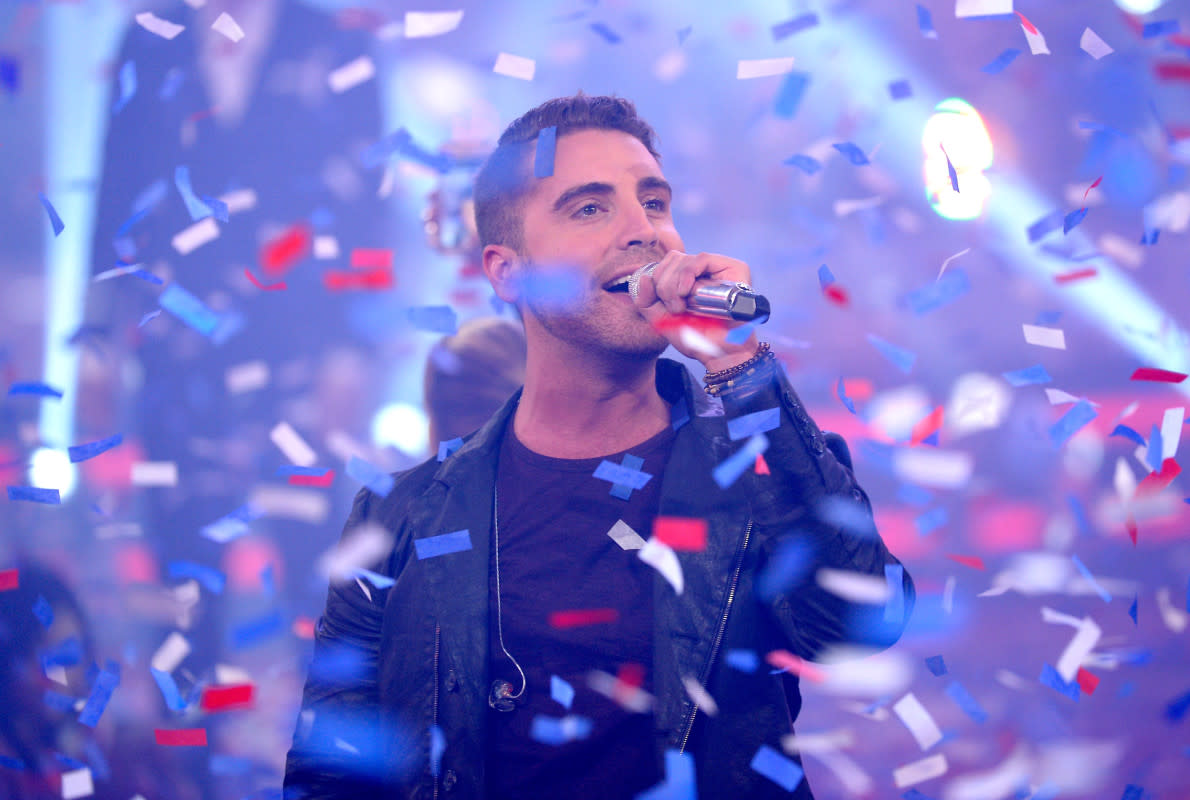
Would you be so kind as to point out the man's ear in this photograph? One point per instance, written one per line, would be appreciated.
(502, 265)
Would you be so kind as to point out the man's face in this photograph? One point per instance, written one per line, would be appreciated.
(603, 213)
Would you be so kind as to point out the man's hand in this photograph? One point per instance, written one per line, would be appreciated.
(662, 299)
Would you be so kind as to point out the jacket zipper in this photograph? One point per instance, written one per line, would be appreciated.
(437, 637)
(735, 579)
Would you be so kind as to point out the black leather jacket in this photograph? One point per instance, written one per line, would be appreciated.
(397, 694)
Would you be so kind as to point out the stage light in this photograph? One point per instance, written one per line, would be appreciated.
(51, 469)
(402, 426)
(956, 131)
(1140, 6)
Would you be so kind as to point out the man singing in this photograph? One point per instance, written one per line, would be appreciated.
(529, 646)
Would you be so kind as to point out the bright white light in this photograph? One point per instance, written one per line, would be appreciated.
(956, 131)
(440, 87)
(1140, 6)
(403, 426)
(51, 469)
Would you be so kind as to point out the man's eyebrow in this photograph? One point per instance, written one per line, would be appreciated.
(600, 188)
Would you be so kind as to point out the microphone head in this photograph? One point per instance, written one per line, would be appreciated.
(749, 307)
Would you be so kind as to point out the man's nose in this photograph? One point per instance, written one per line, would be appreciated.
(638, 230)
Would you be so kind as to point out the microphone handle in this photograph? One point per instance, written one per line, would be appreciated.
(729, 300)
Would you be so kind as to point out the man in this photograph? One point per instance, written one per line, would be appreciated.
(524, 650)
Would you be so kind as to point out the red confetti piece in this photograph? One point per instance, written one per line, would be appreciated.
(836, 294)
(338, 280)
(316, 481)
(1172, 70)
(704, 325)
(9, 579)
(1159, 375)
(364, 258)
(1092, 186)
(581, 617)
(975, 562)
(1027, 25)
(281, 254)
(1077, 275)
(762, 466)
(227, 698)
(631, 674)
(187, 737)
(272, 287)
(1130, 524)
(783, 659)
(681, 533)
(927, 427)
(303, 628)
(1156, 481)
(1087, 681)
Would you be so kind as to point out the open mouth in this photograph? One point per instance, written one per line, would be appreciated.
(619, 286)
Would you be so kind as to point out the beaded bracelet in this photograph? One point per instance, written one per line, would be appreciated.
(731, 372)
(761, 361)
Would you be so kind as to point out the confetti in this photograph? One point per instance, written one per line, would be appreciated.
(623, 535)
(856, 587)
(784, 30)
(806, 164)
(82, 452)
(351, 74)
(188, 308)
(731, 468)
(283, 252)
(154, 473)
(853, 153)
(212, 579)
(763, 67)
(606, 33)
(900, 90)
(561, 692)
(127, 80)
(227, 26)
(1132, 609)
(38, 389)
(32, 494)
(1072, 220)
(515, 66)
(1076, 275)
(579, 618)
(954, 175)
(1034, 37)
(1158, 375)
(974, 562)
(1051, 678)
(543, 159)
(101, 693)
(919, 771)
(1071, 422)
(919, 722)
(10, 74)
(662, 558)
(1000, 62)
(169, 690)
(942, 292)
(1103, 593)
(925, 23)
(841, 391)
(55, 220)
(185, 737)
(422, 24)
(936, 665)
(171, 653)
(443, 544)
(681, 533)
(900, 358)
(270, 287)
(1087, 681)
(1029, 376)
(931, 521)
(1172, 422)
(1078, 649)
(756, 422)
(77, 783)
(963, 699)
(621, 475)
(790, 95)
(1045, 337)
(376, 479)
(778, 768)
(191, 238)
(549, 730)
(982, 8)
(1163, 27)
(226, 698)
(292, 445)
(1093, 45)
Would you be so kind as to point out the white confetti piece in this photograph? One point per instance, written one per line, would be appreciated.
(119, 530)
(853, 586)
(633, 698)
(845, 208)
(171, 653)
(420, 24)
(247, 377)
(948, 595)
(230, 675)
(1058, 618)
(77, 783)
(855, 781)
(291, 502)
(1126, 252)
(698, 342)
(227, 26)
(1045, 337)
(919, 722)
(239, 200)
(1174, 618)
(326, 247)
(661, 557)
(699, 695)
(57, 674)
(155, 24)
(1037, 45)
(1124, 481)
(154, 473)
(930, 467)
(817, 743)
(1078, 649)
(982, 8)
(515, 66)
(190, 239)
(361, 548)
(919, 771)
(763, 67)
(291, 443)
(351, 74)
(1171, 431)
(1058, 397)
(1093, 45)
(946, 263)
(623, 535)
(1001, 781)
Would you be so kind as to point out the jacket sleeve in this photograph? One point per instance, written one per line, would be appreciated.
(811, 515)
(334, 752)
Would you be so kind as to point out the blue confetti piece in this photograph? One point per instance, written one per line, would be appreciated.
(173, 81)
(931, 521)
(446, 448)
(38, 389)
(743, 660)
(1132, 609)
(623, 491)
(740, 334)
(1153, 454)
(754, 423)
(101, 694)
(14, 764)
(147, 277)
(684, 34)
(789, 96)
(225, 765)
(33, 494)
(894, 607)
(1073, 219)
(1029, 376)
(1080, 515)
(82, 452)
(936, 665)
(56, 701)
(825, 277)
(624, 476)
(43, 611)
(925, 24)
(954, 175)
(286, 470)
(900, 89)
(847, 514)
(609, 36)
(400, 142)
(1103, 593)
(679, 781)
(197, 208)
(789, 564)
(915, 794)
(806, 164)
(1162, 27)
(66, 653)
(211, 578)
(561, 691)
(255, 631)
(437, 748)
(1133, 792)
(374, 578)
(556, 732)
(1150, 236)
(900, 358)
(1071, 422)
(10, 74)
(940, 293)
(188, 308)
(152, 315)
(543, 159)
(731, 468)
(443, 544)
(847, 401)
(169, 690)
(855, 155)
(1051, 678)
(127, 86)
(963, 699)
(370, 475)
(435, 319)
(1177, 708)
(778, 768)
(55, 220)
(268, 582)
(1001, 62)
(784, 30)
(1048, 317)
(1045, 226)
(217, 207)
(232, 526)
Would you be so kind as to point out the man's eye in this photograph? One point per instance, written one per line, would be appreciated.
(656, 204)
(588, 210)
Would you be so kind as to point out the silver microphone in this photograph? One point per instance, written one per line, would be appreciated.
(723, 299)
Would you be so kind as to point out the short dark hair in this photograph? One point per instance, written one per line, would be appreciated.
(503, 181)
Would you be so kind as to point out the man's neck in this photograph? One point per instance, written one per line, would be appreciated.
(576, 406)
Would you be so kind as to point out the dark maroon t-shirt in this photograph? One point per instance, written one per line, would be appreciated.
(556, 555)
